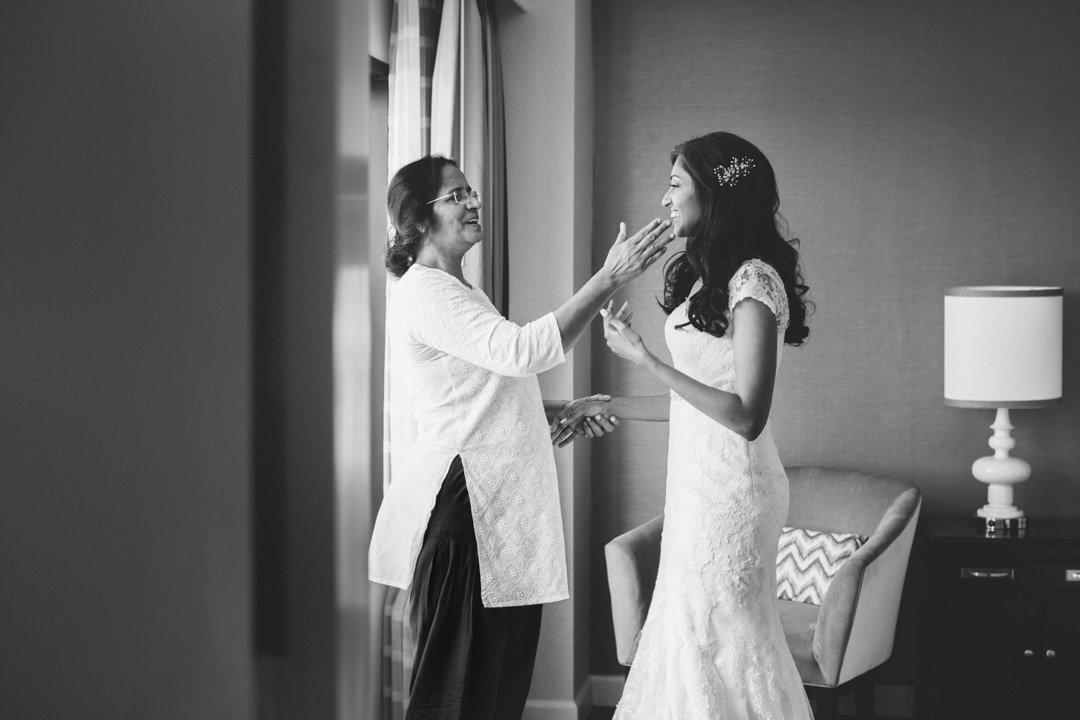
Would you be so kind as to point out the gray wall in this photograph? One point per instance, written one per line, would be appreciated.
(125, 370)
(917, 146)
(183, 211)
(547, 76)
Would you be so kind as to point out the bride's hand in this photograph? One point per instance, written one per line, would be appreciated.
(623, 340)
(625, 313)
(629, 256)
(588, 416)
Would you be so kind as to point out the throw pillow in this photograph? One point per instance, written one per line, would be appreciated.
(807, 561)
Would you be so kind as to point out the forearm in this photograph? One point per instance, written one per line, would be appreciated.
(576, 313)
(726, 408)
(656, 408)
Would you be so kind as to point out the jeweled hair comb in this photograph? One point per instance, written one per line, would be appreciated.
(736, 169)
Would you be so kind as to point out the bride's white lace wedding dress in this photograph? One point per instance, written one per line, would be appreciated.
(712, 647)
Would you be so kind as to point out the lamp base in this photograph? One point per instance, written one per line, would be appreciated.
(1001, 527)
(1001, 472)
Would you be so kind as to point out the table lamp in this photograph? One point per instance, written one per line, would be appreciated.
(1002, 351)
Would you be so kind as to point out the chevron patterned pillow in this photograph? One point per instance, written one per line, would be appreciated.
(807, 560)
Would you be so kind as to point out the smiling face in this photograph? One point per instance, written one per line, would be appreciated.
(457, 226)
(682, 200)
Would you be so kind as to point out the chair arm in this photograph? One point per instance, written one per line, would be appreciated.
(633, 560)
(857, 622)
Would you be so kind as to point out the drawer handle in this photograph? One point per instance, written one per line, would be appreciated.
(1029, 653)
(986, 574)
(1050, 654)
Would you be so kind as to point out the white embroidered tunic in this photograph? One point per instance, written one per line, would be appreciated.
(471, 379)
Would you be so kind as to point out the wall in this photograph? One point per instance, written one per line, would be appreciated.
(125, 428)
(315, 355)
(183, 200)
(380, 18)
(917, 146)
(547, 70)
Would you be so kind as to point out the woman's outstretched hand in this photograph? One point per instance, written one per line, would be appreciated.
(623, 340)
(588, 417)
(629, 256)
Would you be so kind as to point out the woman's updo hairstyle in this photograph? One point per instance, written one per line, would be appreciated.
(407, 198)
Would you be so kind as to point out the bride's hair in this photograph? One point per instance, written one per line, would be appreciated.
(736, 188)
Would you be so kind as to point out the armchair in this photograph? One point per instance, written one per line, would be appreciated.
(851, 633)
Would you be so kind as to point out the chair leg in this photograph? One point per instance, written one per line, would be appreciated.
(864, 698)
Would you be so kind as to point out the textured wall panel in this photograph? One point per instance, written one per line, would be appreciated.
(917, 146)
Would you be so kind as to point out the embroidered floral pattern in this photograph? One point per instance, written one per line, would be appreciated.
(712, 646)
(498, 426)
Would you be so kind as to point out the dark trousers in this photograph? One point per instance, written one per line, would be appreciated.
(472, 662)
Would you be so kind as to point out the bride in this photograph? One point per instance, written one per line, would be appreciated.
(712, 645)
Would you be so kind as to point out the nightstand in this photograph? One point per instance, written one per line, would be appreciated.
(1001, 621)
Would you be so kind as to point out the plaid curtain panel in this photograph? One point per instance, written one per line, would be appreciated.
(413, 40)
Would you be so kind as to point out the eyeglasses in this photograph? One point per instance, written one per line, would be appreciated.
(459, 196)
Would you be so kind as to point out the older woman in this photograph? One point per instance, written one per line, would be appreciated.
(471, 523)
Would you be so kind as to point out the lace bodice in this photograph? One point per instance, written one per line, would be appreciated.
(712, 646)
(709, 359)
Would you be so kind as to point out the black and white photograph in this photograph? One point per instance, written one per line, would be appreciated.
(539, 360)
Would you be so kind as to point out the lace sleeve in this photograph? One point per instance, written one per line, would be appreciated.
(758, 280)
(444, 314)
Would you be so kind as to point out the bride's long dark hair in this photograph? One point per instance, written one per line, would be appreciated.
(739, 221)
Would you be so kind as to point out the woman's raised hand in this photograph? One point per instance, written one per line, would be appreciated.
(625, 313)
(623, 340)
(629, 256)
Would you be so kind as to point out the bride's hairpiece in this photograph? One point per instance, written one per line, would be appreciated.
(736, 169)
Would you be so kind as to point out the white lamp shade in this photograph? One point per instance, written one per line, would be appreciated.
(1003, 346)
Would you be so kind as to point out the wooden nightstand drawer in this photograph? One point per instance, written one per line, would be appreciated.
(1001, 630)
(1043, 575)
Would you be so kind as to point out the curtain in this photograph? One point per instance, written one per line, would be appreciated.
(467, 124)
(414, 33)
(446, 98)
(496, 271)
